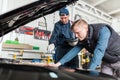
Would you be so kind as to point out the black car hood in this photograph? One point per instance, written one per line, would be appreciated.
(30, 72)
(20, 16)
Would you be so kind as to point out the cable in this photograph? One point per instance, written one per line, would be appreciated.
(45, 22)
(2, 37)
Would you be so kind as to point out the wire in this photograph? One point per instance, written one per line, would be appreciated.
(2, 37)
(45, 22)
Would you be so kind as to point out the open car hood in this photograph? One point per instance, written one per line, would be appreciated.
(20, 16)
(30, 72)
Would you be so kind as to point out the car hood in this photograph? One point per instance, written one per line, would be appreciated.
(25, 14)
(32, 72)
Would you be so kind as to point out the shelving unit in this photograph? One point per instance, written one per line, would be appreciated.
(17, 50)
(29, 55)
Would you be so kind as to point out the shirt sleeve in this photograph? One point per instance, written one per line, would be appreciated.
(71, 54)
(54, 35)
(99, 51)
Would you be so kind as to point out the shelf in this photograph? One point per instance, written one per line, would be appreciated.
(26, 54)
(17, 50)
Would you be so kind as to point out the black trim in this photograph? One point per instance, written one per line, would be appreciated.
(29, 13)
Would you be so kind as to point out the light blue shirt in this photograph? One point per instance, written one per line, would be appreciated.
(99, 51)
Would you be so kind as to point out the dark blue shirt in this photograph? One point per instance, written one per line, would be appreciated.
(61, 33)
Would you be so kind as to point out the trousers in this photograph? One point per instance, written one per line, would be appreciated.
(111, 69)
(60, 52)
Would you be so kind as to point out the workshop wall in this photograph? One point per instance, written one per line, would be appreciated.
(50, 19)
(27, 39)
(116, 25)
(0, 6)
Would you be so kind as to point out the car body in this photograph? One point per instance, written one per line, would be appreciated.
(37, 72)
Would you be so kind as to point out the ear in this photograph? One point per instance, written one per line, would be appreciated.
(85, 26)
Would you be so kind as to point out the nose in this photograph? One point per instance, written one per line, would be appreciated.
(76, 35)
(63, 20)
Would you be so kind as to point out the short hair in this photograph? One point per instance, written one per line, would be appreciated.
(78, 22)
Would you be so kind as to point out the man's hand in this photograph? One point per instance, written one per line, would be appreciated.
(50, 48)
(55, 65)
